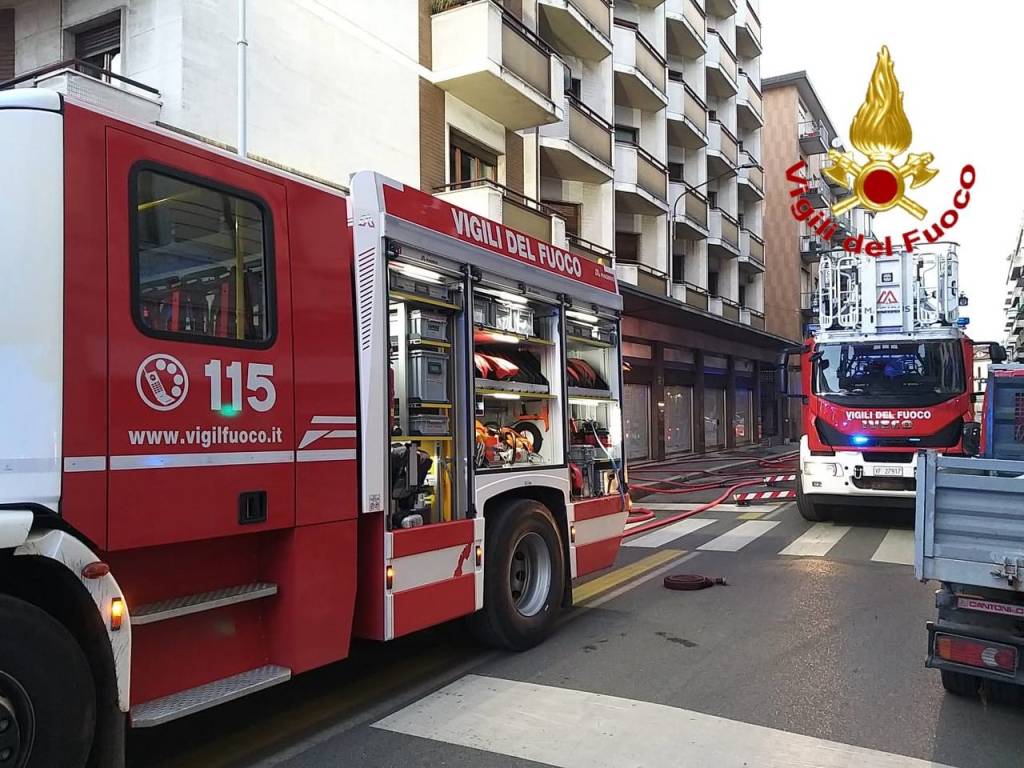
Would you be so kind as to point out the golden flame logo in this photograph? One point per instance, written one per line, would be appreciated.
(880, 130)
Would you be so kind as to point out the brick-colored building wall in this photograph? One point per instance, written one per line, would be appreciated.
(780, 149)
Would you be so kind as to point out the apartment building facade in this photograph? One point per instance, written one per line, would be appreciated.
(629, 134)
(1013, 304)
(798, 128)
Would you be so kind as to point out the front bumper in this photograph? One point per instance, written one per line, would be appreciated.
(847, 477)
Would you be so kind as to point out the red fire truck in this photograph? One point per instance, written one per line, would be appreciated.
(889, 371)
(246, 419)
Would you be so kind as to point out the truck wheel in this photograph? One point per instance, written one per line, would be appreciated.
(960, 684)
(808, 509)
(47, 696)
(524, 577)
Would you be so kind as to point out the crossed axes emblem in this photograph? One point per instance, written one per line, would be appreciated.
(915, 168)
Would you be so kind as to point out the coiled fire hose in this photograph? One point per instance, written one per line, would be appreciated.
(687, 582)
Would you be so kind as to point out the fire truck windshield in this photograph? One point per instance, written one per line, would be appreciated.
(922, 373)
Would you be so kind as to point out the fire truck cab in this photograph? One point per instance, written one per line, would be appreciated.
(888, 372)
(247, 419)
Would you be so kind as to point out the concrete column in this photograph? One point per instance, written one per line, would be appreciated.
(698, 401)
(755, 403)
(730, 402)
(658, 401)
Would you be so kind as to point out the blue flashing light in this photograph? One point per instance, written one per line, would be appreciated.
(963, 322)
(859, 439)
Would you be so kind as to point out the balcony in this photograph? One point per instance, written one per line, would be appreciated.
(690, 294)
(811, 248)
(813, 137)
(817, 193)
(84, 82)
(722, 9)
(686, 28)
(690, 212)
(748, 30)
(495, 201)
(589, 250)
(641, 181)
(843, 227)
(750, 182)
(723, 149)
(687, 116)
(752, 317)
(749, 105)
(720, 65)
(644, 277)
(724, 235)
(579, 147)
(751, 251)
(730, 309)
(640, 71)
(486, 57)
(809, 304)
(581, 28)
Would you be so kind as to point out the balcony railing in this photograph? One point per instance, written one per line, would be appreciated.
(634, 50)
(589, 129)
(94, 85)
(751, 246)
(723, 141)
(651, 174)
(687, 27)
(590, 250)
(749, 102)
(695, 208)
(730, 309)
(721, 62)
(580, 28)
(517, 210)
(643, 276)
(469, 38)
(813, 137)
(725, 227)
(683, 100)
(748, 29)
(752, 176)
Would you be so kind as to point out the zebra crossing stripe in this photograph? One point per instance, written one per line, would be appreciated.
(740, 536)
(817, 541)
(670, 533)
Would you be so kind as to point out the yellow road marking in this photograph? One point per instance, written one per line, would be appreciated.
(619, 576)
(750, 515)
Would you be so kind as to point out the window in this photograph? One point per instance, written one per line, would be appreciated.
(712, 198)
(713, 283)
(469, 161)
(100, 46)
(626, 133)
(743, 295)
(675, 172)
(200, 262)
(575, 87)
(627, 246)
(568, 211)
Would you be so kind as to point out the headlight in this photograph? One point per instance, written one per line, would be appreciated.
(821, 468)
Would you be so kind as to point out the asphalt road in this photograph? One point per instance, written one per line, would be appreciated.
(812, 656)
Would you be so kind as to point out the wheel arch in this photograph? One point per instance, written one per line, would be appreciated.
(553, 498)
(46, 571)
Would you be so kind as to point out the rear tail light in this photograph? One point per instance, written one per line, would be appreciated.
(976, 653)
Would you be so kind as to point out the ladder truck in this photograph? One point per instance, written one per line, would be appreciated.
(888, 372)
(247, 418)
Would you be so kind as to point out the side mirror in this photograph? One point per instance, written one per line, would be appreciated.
(996, 353)
(972, 438)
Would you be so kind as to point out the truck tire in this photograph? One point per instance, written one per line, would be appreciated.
(960, 684)
(47, 694)
(524, 577)
(808, 509)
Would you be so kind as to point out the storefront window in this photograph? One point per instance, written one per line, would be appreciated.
(678, 419)
(714, 419)
(743, 422)
(637, 414)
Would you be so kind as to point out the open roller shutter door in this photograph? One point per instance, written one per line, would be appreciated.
(93, 42)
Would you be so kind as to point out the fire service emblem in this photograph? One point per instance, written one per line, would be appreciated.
(881, 131)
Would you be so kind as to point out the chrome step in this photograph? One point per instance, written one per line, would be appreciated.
(167, 708)
(163, 610)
